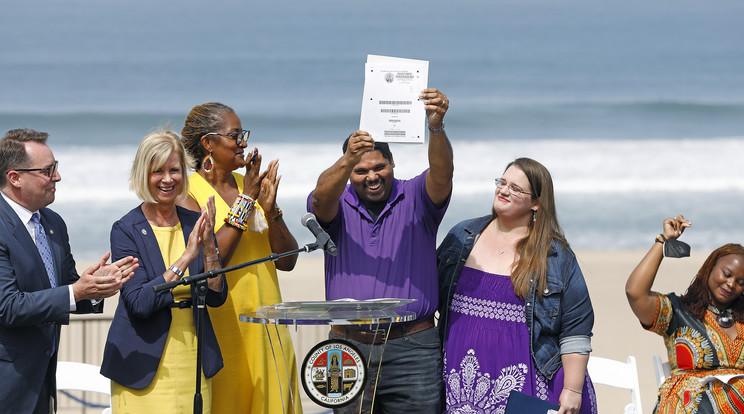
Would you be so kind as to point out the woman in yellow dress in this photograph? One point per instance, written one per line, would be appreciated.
(249, 226)
(150, 352)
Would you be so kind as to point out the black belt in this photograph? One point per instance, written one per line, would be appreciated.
(181, 305)
(377, 336)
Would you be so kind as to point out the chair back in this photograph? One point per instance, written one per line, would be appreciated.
(618, 374)
(662, 370)
(82, 377)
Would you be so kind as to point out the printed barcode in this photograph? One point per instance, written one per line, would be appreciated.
(395, 111)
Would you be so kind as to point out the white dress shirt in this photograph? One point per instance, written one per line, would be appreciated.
(24, 215)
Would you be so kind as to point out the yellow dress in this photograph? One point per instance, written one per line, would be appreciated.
(248, 382)
(173, 387)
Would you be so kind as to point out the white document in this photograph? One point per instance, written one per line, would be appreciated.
(391, 109)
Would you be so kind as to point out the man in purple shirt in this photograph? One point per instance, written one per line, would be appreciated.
(385, 230)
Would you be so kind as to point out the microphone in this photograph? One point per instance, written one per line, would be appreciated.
(321, 237)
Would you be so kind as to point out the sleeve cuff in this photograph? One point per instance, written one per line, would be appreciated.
(580, 344)
(73, 305)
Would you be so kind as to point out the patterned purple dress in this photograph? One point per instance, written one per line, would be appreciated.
(487, 352)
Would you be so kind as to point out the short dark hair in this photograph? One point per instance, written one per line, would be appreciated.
(13, 150)
(383, 147)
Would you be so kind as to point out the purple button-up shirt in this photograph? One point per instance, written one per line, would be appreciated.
(393, 257)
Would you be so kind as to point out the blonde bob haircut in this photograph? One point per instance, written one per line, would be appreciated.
(152, 153)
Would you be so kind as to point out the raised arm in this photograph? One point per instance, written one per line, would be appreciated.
(638, 286)
(332, 181)
(441, 165)
(280, 238)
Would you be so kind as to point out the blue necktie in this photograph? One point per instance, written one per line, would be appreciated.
(43, 245)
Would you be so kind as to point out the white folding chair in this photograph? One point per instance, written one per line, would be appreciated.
(618, 374)
(83, 377)
(663, 370)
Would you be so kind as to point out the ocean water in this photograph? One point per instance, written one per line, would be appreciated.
(636, 108)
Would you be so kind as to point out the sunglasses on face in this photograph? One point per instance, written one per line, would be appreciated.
(239, 137)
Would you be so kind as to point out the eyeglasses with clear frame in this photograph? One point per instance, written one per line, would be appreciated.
(513, 188)
(49, 171)
(239, 137)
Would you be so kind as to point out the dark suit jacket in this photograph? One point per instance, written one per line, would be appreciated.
(31, 311)
(137, 335)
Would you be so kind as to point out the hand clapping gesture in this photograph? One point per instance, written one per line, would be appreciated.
(253, 178)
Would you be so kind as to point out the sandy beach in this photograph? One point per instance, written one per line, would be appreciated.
(617, 333)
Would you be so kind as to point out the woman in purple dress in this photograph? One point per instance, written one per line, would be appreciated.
(515, 313)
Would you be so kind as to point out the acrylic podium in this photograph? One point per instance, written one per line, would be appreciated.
(377, 314)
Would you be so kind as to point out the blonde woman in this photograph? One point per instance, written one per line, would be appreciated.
(150, 353)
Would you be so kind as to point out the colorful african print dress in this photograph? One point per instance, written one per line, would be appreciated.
(487, 351)
(705, 362)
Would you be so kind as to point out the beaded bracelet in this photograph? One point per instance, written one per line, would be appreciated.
(240, 211)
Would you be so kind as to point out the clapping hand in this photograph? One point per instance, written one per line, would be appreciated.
(253, 177)
(103, 280)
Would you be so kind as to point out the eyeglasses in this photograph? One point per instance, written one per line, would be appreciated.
(239, 137)
(513, 188)
(48, 170)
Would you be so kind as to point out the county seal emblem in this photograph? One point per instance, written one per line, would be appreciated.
(333, 373)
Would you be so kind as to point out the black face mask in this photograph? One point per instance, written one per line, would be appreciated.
(676, 248)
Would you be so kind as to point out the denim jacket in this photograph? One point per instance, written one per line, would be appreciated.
(560, 323)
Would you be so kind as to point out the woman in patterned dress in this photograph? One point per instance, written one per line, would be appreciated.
(515, 313)
(702, 330)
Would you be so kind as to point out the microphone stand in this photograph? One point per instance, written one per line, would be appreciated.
(200, 279)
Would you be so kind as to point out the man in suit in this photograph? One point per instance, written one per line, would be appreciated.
(39, 286)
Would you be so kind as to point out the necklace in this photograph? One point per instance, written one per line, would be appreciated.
(159, 219)
(724, 318)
